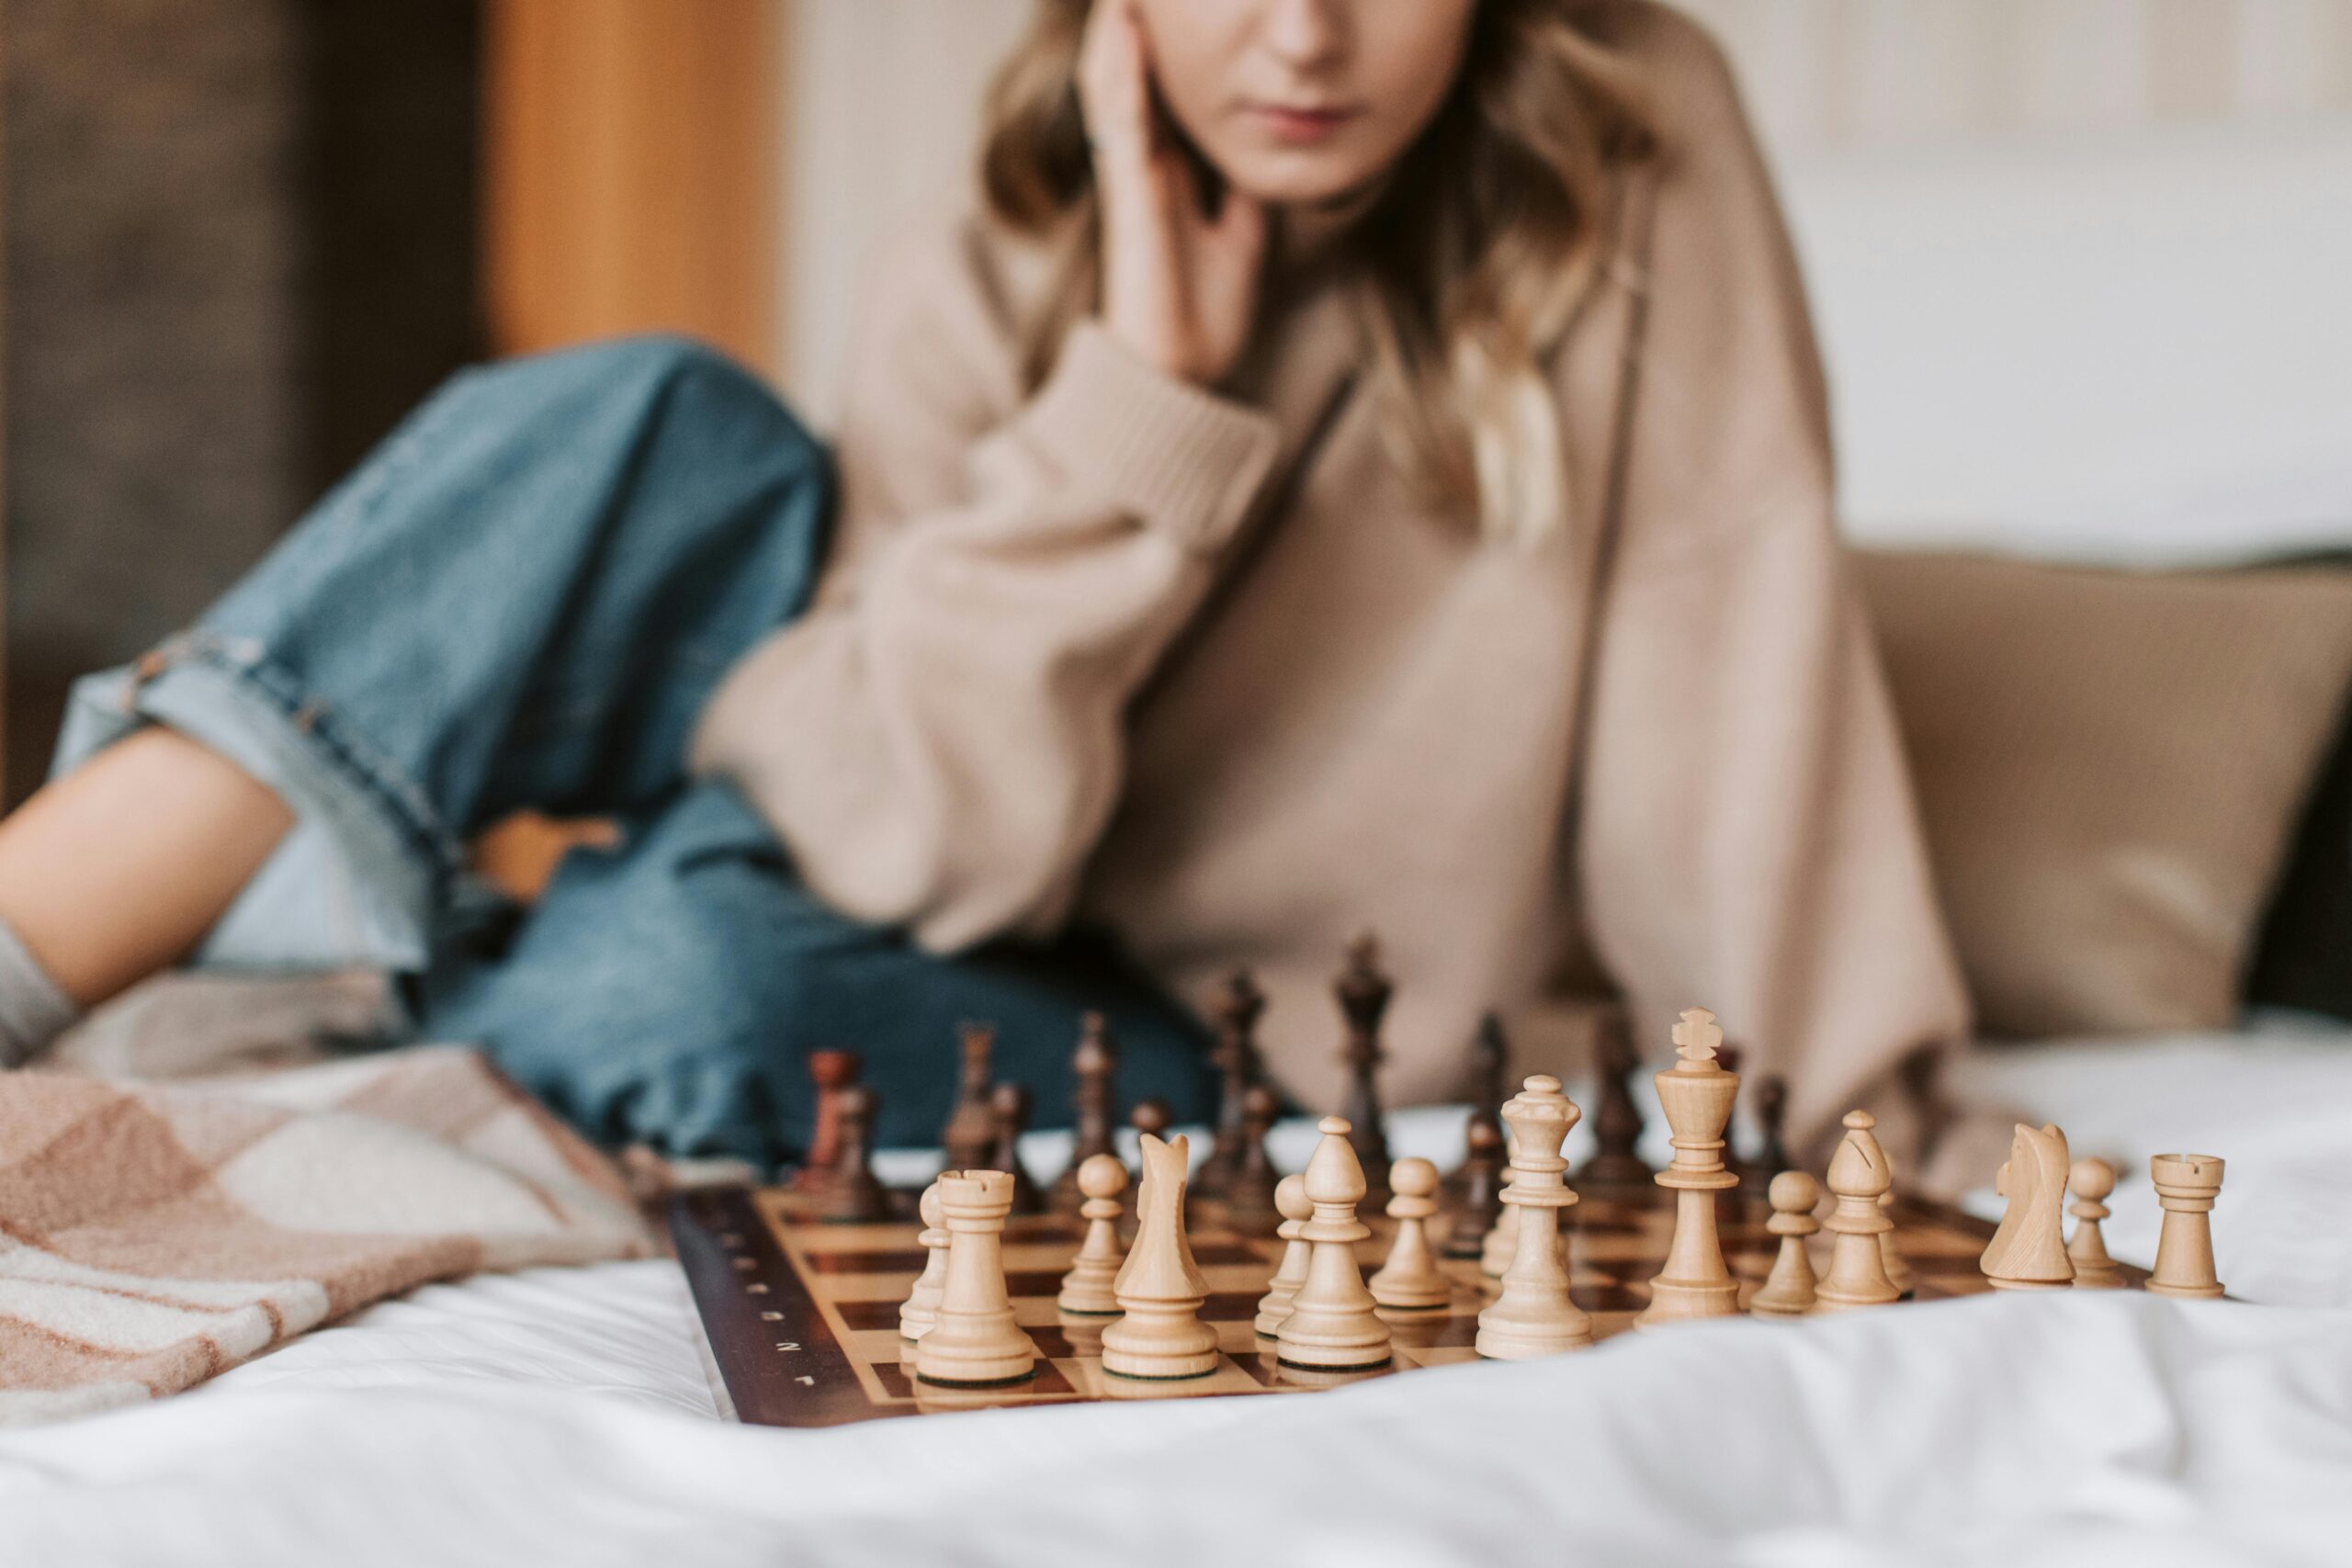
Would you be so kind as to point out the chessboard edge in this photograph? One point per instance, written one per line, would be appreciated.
(780, 1362)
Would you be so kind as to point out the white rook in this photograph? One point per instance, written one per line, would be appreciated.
(2185, 1186)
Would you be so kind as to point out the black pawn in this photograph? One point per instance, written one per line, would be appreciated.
(853, 1196)
(831, 1072)
(969, 1137)
(1148, 1116)
(1363, 992)
(1010, 1102)
(1092, 1067)
(1616, 1122)
(1482, 1189)
(1771, 1118)
(1489, 1064)
(1250, 1196)
(1235, 1010)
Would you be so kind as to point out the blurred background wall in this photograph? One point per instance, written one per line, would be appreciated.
(243, 236)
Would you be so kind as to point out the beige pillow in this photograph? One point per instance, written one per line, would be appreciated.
(2110, 765)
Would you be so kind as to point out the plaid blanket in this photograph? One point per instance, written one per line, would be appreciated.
(155, 1233)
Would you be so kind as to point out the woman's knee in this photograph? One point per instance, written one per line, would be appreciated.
(654, 375)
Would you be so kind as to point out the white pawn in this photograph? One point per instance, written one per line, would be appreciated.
(1502, 1242)
(1788, 1291)
(973, 1338)
(922, 1308)
(1159, 1289)
(2094, 1269)
(1533, 1316)
(1290, 1201)
(1858, 1174)
(1087, 1287)
(1331, 1325)
(1410, 1279)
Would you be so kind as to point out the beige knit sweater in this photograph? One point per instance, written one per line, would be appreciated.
(1017, 701)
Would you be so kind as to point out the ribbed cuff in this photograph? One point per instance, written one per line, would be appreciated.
(33, 1012)
(1179, 458)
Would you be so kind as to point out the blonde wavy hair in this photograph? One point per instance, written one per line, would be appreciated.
(1472, 265)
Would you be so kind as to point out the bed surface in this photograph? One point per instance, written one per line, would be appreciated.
(569, 1412)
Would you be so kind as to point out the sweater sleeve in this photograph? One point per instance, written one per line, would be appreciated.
(939, 740)
(1750, 840)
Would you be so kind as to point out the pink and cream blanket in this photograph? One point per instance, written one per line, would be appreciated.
(154, 1232)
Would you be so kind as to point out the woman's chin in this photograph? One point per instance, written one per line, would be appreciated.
(1289, 180)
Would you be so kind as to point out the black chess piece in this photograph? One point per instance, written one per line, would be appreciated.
(1092, 1102)
(1150, 1116)
(850, 1194)
(1771, 1118)
(1236, 1012)
(1010, 1104)
(1363, 992)
(969, 1137)
(1250, 1196)
(1480, 1203)
(1490, 1069)
(1616, 1122)
(831, 1072)
(1753, 1178)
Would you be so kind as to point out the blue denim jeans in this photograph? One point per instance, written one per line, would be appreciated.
(524, 599)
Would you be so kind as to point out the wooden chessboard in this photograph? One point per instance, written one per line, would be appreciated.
(804, 1317)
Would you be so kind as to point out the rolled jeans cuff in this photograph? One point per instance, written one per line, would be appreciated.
(353, 884)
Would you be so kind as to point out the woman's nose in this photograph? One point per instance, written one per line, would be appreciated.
(1303, 33)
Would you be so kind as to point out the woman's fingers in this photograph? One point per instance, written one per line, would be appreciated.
(1177, 287)
(1115, 99)
(1113, 94)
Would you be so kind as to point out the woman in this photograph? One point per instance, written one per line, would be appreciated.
(1360, 466)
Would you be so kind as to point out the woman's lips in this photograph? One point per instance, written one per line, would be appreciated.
(1299, 126)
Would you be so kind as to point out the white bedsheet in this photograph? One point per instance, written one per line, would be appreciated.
(566, 1414)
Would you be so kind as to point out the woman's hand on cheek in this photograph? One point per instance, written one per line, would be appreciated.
(1178, 288)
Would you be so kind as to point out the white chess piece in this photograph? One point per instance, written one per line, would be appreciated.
(1858, 1174)
(922, 1308)
(2186, 1188)
(1159, 1289)
(1502, 1242)
(1088, 1288)
(1411, 1280)
(1890, 1256)
(2028, 1251)
(2091, 1181)
(973, 1338)
(1788, 1291)
(1697, 1095)
(1533, 1316)
(1331, 1325)
(1290, 1201)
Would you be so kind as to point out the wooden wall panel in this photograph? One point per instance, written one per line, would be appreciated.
(633, 158)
